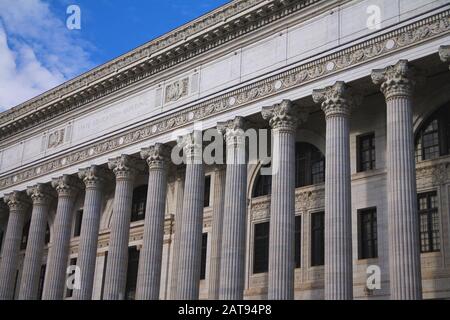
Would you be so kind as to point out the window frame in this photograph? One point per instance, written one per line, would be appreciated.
(372, 151)
(434, 243)
(321, 246)
(257, 268)
(364, 254)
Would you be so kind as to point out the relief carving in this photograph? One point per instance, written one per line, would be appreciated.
(56, 138)
(177, 90)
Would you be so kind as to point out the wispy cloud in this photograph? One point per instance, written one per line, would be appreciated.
(37, 51)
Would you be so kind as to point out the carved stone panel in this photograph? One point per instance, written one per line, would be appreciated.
(177, 90)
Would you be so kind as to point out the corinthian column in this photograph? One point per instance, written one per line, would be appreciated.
(216, 232)
(177, 235)
(94, 178)
(234, 221)
(282, 209)
(337, 102)
(67, 188)
(18, 205)
(149, 272)
(124, 167)
(41, 195)
(397, 84)
(191, 227)
(444, 53)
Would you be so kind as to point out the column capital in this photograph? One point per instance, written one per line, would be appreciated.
(40, 194)
(396, 80)
(94, 176)
(17, 200)
(156, 156)
(281, 116)
(124, 167)
(233, 131)
(192, 147)
(66, 185)
(444, 53)
(338, 99)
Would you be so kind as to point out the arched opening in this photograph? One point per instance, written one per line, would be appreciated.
(139, 203)
(309, 170)
(433, 137)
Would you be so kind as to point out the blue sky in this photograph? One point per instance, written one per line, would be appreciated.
(38, 51)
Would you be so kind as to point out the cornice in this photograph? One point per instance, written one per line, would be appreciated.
(221, 26)
(377, 47)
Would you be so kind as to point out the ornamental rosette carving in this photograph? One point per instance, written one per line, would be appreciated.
(40, 194)
(233, 131)
(66, 185)
(124, 167)
(192, 147)
(336, 100)
(444, 53)
(156, 156)
(397, 80)
(94, 176)
(281, 116)
(17, 201)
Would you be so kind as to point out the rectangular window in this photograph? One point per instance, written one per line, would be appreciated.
(367, 233)
(366, 152)
(78, 221)
(317, 239)
(73, 262)
(261, 248)
(203, 259)
(298, 241)
(41, 281)
(207, 191)
(132, 271)
(429, 222)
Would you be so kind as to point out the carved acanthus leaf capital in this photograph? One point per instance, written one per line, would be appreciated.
(444, 53)
(396, 80)
(94, 176)
(66, 185)
(282, 116)
(17, 201)
(233, 131)
(124, 167)
(40, 193)
(192, 146)
(156, 156)
(338, 99)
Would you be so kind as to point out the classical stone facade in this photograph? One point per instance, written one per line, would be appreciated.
(354, 203)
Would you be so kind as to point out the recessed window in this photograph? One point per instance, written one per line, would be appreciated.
(139, 203)
(263, 185)
(367, 233)
(207, 195)
(429, 222)
(366, 152)
(25, 234)
(73, 262)
(298, 240)
(132, 272)
(261, 248)
(317, 239)
(309, 165)
(78, 222)
(203, 257)
(433, 139)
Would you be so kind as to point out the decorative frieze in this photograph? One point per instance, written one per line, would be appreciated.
(413, 34)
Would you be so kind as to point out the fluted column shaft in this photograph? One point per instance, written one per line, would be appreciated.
(216, 232)
(232, 265)
(18, 205)
(94, 179)
(282, 208)
(116, 268)
(397, 84)
(29, 284)
(191, 228)
(149, 273)
(67, 188)
(337, 102)
(177, 236)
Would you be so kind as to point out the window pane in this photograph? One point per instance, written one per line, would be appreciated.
(317, 239)
(367, 234)
(297, 246)
(78, 221)
(429, 222)
(203, 258)
(366, 152)
(261, 248)
(139, 203)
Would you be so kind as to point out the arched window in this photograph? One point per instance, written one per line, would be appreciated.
(433, 138)
(139, 202)
(309, 170)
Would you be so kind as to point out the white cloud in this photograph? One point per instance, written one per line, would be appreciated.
(37, 51)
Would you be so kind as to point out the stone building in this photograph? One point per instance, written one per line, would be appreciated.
(356, 95)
